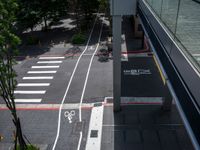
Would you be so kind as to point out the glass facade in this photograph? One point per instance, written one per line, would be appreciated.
(182, 18)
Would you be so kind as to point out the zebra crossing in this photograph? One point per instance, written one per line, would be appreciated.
(42, 71)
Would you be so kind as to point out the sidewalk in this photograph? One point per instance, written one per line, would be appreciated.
(143, 127)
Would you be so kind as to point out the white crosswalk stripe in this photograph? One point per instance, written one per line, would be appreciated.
(33, 84)
(45, 67)
(49, 62)
(37, 72)
(52, 58)
(28, 100)
(37, 78)
(43, 60)
(29, 92)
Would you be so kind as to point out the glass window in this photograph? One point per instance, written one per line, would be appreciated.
(157, 6)
(188, 27)
(169, 13)
(182, 18)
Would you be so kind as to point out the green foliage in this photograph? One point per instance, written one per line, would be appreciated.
(83, 10)
(8, 48)
(78, 39)
(103, 5)
(34, 12)
(28, 15)
(88, 7)
(8, 44)
(29, 147)
(32, 40)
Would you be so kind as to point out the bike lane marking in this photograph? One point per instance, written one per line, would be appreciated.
(68, 86)
(85, 84)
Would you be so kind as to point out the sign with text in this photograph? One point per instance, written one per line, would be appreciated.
(136, 72)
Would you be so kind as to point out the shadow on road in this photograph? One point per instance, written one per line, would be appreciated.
(147, 127)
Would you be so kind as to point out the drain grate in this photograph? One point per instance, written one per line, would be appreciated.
(94, 133)
(78, 127)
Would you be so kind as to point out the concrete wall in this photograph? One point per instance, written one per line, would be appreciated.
(123, 7)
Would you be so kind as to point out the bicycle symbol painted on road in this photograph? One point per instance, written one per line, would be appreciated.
(69, 115)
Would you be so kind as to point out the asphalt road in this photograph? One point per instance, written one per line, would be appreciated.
(48, 80)
(51, 83)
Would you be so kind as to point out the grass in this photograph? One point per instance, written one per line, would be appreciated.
(29, 147)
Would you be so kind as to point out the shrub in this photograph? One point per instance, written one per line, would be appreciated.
(32, 40)
(78, 39)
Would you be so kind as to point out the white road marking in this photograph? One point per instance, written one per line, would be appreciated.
(69, 84)
(28, 100)
(96, 121)
(80, 139)
(87, 54)
(141, 99)
(36, 78)
(86, 79)
(137, 72)
(45, 67)
(33, 84)
(52, 58)
(29, 92)
(69, 115)
(49, 62)
(85, 84)
(36, 72)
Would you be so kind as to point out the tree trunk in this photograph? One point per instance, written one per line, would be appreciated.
(19, 139)
(45, 23)
(77, 21)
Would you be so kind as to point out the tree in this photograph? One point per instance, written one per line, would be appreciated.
(83, 8)
(28, 15)
(60, 8)
(8, 46)
(75, 7)
(32, 13)
(104, 7)
(89, 7)
(51, 10)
